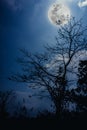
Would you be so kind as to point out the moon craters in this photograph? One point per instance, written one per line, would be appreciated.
(58, 14)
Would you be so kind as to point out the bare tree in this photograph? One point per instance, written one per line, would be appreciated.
(49, 69)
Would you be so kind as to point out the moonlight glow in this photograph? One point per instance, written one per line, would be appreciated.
(58, 14)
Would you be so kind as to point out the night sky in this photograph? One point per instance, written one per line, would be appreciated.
(25, 24)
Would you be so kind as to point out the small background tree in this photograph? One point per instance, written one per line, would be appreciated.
(5, 100)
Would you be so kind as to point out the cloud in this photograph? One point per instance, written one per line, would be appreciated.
(15, 5)
(82, 4)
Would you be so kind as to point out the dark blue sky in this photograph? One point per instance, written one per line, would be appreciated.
(24, 24)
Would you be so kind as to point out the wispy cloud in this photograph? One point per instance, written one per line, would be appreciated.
(82, 3)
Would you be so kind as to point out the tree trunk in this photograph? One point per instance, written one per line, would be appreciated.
(59, 110)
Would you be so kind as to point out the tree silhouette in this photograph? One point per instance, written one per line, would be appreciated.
(5, 100)
(82, 75)
(81, 97)
(49, 70)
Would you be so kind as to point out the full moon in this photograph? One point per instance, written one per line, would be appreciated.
(58, 14)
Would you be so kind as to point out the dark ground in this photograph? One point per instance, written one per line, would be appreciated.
(42, 123)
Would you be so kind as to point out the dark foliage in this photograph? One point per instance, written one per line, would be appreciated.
(82, 70)
(5, 100)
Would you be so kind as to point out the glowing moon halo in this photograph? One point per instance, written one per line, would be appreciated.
(58, 14)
